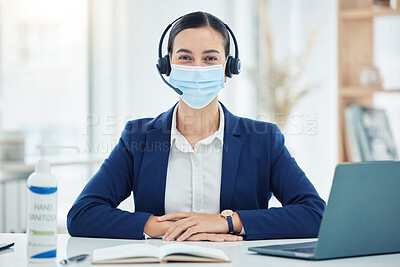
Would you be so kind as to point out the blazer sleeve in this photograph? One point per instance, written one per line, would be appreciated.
(95, 212)
(302, 208)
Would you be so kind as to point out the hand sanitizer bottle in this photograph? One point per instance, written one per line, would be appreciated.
(42, 213)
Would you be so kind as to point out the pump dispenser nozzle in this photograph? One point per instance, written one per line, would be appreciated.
(43, 165)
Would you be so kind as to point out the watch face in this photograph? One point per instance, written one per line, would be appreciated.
(227, 213)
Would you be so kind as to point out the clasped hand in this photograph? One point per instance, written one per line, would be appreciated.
(192, 226)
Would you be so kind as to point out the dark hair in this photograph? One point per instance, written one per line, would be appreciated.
(196, 20)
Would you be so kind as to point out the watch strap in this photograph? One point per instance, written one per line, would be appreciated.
(230, 224)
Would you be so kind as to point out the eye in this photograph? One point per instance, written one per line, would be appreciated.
(184, 58)
(211, 59)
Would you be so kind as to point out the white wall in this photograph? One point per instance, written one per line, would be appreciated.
(42, 85)
(387, 59)
(126, 36)
(315, 148)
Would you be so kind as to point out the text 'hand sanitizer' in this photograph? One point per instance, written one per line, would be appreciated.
(42, 212)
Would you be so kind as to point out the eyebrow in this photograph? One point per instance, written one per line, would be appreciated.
(190, 52)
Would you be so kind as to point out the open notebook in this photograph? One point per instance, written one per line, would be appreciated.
(142, 253)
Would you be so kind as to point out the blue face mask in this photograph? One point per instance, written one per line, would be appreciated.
(199, 85)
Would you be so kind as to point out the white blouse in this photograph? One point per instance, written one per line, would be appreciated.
(194, 175)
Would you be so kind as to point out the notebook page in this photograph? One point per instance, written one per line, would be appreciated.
(124, 252)
(192, 250)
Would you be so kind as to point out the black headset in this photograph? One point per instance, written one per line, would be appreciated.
(164, 64)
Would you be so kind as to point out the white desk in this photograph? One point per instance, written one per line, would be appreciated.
(237, 252)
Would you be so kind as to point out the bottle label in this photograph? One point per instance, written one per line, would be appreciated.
(42, 222)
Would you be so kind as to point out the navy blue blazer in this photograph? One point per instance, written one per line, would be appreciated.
(255, 165)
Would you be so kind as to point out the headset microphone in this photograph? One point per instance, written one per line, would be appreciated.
(170, 85)
(163, 65)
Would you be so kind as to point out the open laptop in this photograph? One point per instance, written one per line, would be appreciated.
(362, 216)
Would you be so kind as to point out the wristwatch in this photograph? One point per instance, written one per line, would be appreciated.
(228, 215)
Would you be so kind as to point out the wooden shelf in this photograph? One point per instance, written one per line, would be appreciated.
(368, 13)
(359, 91)
(390, 91)
(355, 51)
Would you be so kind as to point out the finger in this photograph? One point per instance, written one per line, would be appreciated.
(178, 236)
(197, 237)
(172, 228)
(205, 237)
(169, 231)
(215, 238)
(231, 238)
(191, 231)
(174, 216)
(180, 229)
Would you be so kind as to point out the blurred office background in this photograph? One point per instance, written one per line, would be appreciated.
(72, 73)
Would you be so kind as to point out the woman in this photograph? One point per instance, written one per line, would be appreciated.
(197, 171)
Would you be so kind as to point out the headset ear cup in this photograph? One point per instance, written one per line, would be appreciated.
(228, 72)
(164, 65)
(161, 65)
(167, 65)
(235, 66)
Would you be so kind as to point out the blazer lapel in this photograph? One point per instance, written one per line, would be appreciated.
(155, 163)
(230, 158)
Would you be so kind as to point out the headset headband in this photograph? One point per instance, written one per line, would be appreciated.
(163, 35)
(164, 65)
(172, 23)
